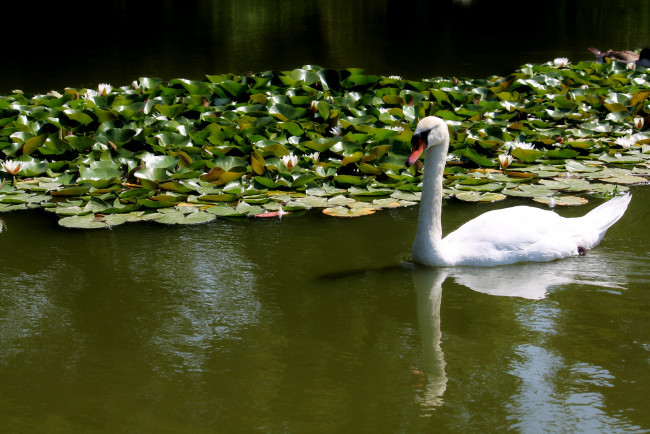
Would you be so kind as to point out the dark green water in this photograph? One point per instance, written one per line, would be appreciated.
(83, 43)
(316, 324)
(312, 324)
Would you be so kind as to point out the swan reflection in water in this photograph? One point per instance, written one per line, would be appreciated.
(528, 280)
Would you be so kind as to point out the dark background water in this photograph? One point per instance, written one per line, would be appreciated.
(54, 45)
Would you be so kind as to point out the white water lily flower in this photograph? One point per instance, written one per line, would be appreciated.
(11, 167)
(625, 142)
(89, 93)
(522, 145)
(336, 131)
(561, 62)
(315, 156)
(517, 144)
(104, 89)
(290, 161)
(396, 128)
(638, 123)
(505, 161)
(395, 77)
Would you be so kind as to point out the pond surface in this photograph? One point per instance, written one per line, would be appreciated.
(117, 41)
(317, 324)
(313, 324)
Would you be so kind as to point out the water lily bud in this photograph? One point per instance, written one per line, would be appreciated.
(505, 161)
(638, 123)
(104, 89)
(290, 161)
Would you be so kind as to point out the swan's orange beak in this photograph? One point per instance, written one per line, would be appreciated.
(419, 146)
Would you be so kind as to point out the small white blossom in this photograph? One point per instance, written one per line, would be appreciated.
(396, 128)
(290, 161)
(625, 142)
(11, 167)
(336, 131)
(104, 89)
(525, 146)
(517, 144)
(505, 161)
(89, 93)
(383, 110)
(315, 156)
(395, 77)
(561, 62)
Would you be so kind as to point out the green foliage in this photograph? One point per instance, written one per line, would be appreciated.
(186, 152)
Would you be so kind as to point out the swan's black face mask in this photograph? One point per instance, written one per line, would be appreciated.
(419, 143)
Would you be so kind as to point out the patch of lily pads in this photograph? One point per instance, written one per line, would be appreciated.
(283, 143)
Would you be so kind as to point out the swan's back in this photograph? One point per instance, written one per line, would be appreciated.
(524, 233)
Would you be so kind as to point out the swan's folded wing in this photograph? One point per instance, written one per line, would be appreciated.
(510, 235)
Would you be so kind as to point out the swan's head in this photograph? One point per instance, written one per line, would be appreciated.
(431, 131)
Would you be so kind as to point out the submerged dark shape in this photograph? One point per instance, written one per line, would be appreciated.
(626, 56)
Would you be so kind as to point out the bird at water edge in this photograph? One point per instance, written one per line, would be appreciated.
(499, 237)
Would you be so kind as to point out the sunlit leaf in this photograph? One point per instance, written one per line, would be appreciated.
(342, 211)
(562, 201)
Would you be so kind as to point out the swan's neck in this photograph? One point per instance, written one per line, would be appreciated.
(426, 247)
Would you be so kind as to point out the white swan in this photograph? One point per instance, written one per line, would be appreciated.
(504, 236)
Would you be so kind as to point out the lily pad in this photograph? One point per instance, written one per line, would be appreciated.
(473, 196)
(562, 200)
(177, 217)
(343, 211)
(625, 179)
(88, 221)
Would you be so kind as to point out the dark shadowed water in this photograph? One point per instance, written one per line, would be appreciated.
(313, 324)
(79, 43)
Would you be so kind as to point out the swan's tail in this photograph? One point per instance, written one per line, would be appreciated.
(604, 216)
